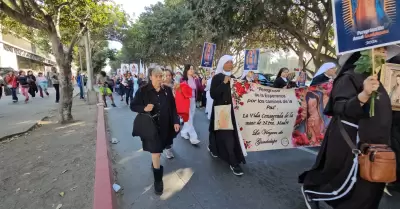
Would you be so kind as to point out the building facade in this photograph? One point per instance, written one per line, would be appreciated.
(21, 54)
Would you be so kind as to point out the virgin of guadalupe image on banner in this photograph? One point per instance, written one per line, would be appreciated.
(311, 122)
(365, 24)
(270, 118)
(251, 59)
(208, 55)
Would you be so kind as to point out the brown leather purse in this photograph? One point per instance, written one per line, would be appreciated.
(377, 161)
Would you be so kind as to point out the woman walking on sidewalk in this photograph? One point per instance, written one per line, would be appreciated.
(158, 102)
(33, 89)
(56, 83)
(23, 85)
(188, 131)
(225, 143)
(12, 83)
(42, 83)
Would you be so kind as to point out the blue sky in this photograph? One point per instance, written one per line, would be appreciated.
(134, 8)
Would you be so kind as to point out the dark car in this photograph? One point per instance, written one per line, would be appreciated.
(265, 79)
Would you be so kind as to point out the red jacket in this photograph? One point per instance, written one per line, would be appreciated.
(182, 100)
(12, 80)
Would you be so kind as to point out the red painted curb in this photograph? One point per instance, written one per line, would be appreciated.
(104, 196)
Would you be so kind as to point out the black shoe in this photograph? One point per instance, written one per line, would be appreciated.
(212, 154)
(113, 105)
(158, 181)
(237, 170)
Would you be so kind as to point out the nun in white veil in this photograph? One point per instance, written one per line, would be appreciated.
(325, 73)
(225, 144)
(248, 75)
(208, 96)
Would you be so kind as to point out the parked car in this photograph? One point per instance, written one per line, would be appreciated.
(265, 79)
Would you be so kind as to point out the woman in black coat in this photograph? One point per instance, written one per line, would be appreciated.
(225, 144)
(33, 89)
(336, 163)
(157, 101)
(281, 80)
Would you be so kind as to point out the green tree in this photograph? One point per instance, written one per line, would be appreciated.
(281, 23)
(63, 22)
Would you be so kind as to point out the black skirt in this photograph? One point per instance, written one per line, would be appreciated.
(225, 145)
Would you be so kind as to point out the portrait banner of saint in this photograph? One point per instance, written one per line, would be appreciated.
(365, 24)
(208, 55)
(251, 59)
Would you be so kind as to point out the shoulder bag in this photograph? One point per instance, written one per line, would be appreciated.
(377, 161)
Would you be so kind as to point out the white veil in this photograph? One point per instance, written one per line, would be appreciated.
(325, 67)
(221, 63)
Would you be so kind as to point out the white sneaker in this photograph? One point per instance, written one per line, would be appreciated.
(169, 154)
(194, 141)
(185, 136)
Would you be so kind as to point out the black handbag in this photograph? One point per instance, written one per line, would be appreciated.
(145, 127)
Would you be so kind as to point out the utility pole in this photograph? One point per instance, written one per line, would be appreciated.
(89, 63)
(91, 97)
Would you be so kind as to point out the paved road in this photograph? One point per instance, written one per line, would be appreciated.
(19, 117)
(195, 180)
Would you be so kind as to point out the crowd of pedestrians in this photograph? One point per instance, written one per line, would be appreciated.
(29, 85)
(167, 102)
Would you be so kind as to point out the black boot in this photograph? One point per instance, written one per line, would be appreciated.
(158, 182)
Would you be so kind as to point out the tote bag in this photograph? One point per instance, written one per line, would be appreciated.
(222, 118)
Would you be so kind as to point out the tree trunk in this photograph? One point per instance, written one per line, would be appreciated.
(64, 61)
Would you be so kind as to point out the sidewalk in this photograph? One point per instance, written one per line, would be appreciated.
(20, 117)
(52, 165)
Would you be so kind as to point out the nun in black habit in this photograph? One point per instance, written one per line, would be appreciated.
(224, 143)
(333, 178)
(325, 73)
(395, 138)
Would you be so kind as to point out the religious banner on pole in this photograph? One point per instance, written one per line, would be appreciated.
(124, 68)
(251, 59)
(361, 25)
(207, 57)
(270, 118)
(133, 68)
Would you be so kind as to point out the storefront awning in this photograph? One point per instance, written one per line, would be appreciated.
(28, 55)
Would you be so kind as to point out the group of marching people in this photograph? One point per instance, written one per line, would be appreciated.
(29, 85)
(168, 99)
(165, 101)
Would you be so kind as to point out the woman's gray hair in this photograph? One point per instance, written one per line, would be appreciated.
(153, 71)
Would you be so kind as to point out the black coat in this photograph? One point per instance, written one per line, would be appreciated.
(279, 83)
(395, 141)
(335, 158)
(224, 143)
(319, 79)
(164, 113)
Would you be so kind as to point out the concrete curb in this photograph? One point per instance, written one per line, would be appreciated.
(104, 196)
(24, 132)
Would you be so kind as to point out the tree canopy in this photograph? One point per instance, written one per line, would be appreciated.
(63, 23)
(173, 32)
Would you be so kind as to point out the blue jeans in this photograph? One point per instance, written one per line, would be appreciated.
(81, 91)
(14, 94)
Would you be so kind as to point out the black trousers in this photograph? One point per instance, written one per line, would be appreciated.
(129, 95)
(57, 88)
